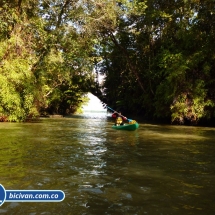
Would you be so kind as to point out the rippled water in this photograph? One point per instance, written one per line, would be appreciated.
(156, 169)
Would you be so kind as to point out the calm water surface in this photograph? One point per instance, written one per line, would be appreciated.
(157, 169)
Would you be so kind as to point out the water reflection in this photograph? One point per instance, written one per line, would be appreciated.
(156, 169)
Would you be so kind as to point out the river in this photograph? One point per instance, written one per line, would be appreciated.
(157, 169)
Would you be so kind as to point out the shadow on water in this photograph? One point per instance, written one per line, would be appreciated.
(157, 169)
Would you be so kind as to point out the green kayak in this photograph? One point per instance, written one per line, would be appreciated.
(128, 127)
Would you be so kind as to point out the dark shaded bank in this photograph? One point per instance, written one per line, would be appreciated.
(167, 71)
(167, 121)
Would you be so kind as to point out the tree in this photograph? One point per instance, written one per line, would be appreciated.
(44, 58)
(17, 89)
(168, 44)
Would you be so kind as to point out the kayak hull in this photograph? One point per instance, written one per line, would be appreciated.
(127, 127)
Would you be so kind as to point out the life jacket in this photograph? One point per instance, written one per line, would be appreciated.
(119, 120)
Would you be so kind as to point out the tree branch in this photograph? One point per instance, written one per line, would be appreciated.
(131, 67)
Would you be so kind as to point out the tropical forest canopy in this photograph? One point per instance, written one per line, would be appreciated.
(157, 57)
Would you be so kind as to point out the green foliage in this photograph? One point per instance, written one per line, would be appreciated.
(191, 106)
(44, 62)
(16, 81)
(155, 55)
(160, 60)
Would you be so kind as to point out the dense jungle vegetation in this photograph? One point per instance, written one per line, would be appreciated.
(157, 57)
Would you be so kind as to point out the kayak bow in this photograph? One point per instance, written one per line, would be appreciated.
(128, 127)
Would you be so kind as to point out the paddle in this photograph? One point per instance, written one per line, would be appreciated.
(118, 113)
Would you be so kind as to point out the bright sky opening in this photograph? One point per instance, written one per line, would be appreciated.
(94, 104)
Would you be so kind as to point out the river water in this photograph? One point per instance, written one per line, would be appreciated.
(157, 169)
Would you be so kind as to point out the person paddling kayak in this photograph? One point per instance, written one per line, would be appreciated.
(118, 118)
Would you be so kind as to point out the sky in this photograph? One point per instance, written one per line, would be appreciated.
(94, 104)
